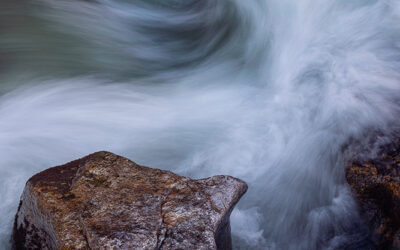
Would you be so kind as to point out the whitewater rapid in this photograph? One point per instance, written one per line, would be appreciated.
(269, 91)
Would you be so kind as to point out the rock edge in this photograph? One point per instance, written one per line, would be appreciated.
(105, 201)
(376, 186)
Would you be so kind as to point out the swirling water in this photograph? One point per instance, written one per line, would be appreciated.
(269, 91)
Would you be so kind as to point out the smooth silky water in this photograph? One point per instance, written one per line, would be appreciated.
(269, 91)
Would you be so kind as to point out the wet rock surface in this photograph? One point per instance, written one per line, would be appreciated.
(376, 185)
(104, 201)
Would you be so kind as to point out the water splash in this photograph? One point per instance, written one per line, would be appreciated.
(269, 91)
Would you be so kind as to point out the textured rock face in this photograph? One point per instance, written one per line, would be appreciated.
(104, 201)
(376, 184)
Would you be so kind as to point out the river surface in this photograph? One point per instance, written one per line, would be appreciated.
(270, 91)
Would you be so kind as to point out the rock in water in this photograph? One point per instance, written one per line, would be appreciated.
(105, 201)
(376, 184)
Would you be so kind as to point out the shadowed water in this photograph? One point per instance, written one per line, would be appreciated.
(269, 91)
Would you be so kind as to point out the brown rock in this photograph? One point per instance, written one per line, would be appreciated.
(104, 201)
(376, 185)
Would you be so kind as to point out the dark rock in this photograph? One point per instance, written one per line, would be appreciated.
(104, 201)
(376, 185)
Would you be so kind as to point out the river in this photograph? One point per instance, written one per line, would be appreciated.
(269, 91)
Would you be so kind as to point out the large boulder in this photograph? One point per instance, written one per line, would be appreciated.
(105, 201)
(376, 185)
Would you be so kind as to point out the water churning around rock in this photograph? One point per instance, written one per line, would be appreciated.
(270, 91)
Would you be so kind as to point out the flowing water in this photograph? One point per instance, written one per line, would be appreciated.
(269, 91)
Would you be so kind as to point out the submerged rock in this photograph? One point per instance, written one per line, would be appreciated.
(376, 184)
(105, 201)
